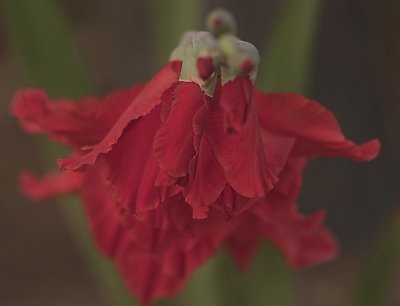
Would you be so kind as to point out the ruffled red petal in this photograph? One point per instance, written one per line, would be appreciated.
(156, 276)
(150, 273)
(50, 185)
(206, 180)
(109, 234)
(316, 129)
(231, 204)
(72, 124)
(131, 167)
(291, 179)
(142, 105)
(162, 274)
(173, 144)
(235, 100)
(302, 240)
(158, 229)
(277, 149)
(140, 271)
(30, 107)
(244, 242)
(241, 154)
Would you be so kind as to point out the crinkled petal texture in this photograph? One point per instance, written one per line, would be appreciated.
(142, 105)
(156, 252)
(131, 169)
(78, 125)
(240, 152)
(168, 174)
(182, 151)
(173, 144)
(316, 130)
(302, 240)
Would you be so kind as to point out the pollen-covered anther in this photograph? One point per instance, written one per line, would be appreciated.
(220, 22)
(205, 67)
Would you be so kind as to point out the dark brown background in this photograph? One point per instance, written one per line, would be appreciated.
(355, 72)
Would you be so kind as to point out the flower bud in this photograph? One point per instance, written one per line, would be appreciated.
(220, 22)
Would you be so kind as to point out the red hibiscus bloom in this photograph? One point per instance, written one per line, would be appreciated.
(196, 159)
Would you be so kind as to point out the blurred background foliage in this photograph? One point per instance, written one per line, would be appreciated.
(342, 53)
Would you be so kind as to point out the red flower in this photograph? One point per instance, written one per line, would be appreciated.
(173, 170)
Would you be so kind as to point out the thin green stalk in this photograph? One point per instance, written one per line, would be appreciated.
(170, 19)
(49, 60)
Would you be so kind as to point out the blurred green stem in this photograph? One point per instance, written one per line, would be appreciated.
(376, 278)
(45, 51)
(49, 60)
(287, 59)
(170, 19)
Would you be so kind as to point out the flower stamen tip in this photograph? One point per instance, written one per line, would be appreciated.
(205, 66)
(220, 21)
(247, 66)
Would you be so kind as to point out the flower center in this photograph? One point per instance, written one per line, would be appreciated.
(205, 56)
